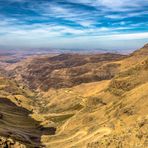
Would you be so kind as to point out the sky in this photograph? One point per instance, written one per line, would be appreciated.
(114, 25)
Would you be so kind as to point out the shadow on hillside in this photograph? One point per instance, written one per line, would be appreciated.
(16, 123)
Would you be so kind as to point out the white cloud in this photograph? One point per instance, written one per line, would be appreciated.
(130, 36)
(63, 20)
(113, 4)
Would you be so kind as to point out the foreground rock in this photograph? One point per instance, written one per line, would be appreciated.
(16, 123)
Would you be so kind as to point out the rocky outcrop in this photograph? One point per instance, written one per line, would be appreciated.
(16, 123)
(10, 143)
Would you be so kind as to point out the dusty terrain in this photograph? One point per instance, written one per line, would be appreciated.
(75, 101)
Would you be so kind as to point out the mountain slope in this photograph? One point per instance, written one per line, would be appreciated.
(91, 100)
(67, 70)
(15, 116)
(113, 115)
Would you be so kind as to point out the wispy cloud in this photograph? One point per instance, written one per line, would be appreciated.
(45, 21)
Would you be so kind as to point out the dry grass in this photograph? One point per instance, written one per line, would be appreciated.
(109, 113)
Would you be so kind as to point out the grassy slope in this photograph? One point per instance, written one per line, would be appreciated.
(113, 114)
(17, 94)
(109, 113)
(16, 122)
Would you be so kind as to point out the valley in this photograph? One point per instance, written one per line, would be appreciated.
(74, 100)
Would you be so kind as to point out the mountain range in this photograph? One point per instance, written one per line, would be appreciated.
(74, 100)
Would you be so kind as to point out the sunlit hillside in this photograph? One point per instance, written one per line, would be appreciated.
(75, 101)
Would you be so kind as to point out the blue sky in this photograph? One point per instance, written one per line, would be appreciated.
(120, 25)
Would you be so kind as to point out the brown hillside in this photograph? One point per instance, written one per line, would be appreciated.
(67, 70)
(93, 101)
(16, 123)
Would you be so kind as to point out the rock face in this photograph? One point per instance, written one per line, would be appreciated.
(16, 123)
(10, 143)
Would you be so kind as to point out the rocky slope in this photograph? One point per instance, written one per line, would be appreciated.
(90, 100)
(67, 70)
(15, 117)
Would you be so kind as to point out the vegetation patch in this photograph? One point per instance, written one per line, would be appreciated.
(61, 118)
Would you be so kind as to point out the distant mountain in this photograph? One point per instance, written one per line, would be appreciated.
(67, 70)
